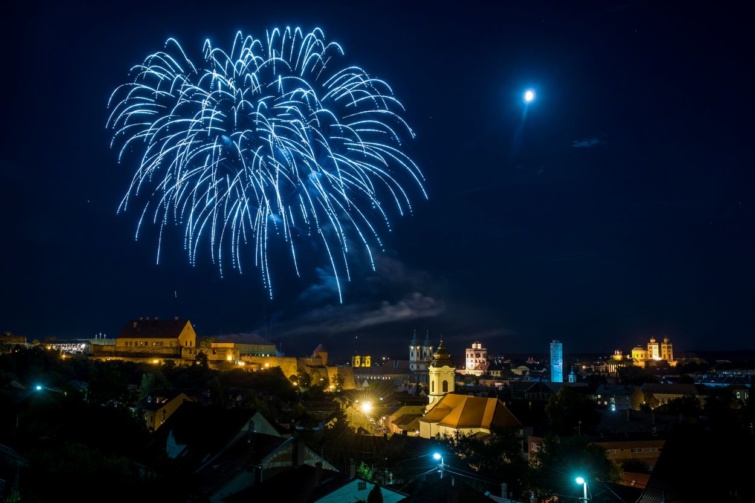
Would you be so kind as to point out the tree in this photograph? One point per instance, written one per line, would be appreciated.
(202, 360)
(152, 379)
(497, 457)
(722, 408)
(571, 412)
(365, 471)
(375, 495)
(688, 406)
(305, 379)
(206, 341)
(339, 380)
(559, 460)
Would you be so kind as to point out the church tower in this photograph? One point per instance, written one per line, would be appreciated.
(415, 353)
(427, 352)
(420, 358)
(667, 350)
(442, 375)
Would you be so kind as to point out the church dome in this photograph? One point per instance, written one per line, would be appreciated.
(441, 357)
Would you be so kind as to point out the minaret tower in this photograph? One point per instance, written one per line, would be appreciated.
(441, 375)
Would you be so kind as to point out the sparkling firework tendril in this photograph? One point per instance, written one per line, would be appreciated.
(271, 140)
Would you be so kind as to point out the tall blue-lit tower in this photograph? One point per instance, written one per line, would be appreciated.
(557, 361)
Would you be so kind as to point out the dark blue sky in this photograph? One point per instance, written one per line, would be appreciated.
(621, 208)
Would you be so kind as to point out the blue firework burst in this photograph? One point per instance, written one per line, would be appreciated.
(270, 142)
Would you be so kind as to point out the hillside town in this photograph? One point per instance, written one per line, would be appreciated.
(231, 419)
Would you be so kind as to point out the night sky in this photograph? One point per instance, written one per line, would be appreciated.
(620, 207)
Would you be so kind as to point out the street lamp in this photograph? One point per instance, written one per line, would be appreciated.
(582, 481)
(441, 467)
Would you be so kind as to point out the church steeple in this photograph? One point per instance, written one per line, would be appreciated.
(427, 350)
(442, 376)
(415, 353)
(442, 358)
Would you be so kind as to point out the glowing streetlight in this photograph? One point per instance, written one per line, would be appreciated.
(529, 96)
(441, 467)
(581, 480)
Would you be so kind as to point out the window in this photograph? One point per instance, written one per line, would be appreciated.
(445, 386)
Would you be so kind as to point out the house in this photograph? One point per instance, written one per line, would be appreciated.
(497, 370)
(246, 462)
(339, 377)
(466, 414)
(619, 396)
(152, 340)
(307, 484)
(630, 422)
(229, 450)
(663, 393)
(395, 372)
(403, 416)
(247, 344)
(158, 407)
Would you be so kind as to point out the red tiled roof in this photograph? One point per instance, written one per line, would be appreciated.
(466, 411)
(155, 329)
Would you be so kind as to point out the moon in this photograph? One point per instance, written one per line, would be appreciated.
(529, 96)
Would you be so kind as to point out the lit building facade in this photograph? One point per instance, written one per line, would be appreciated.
(476, 361)
(654, 352)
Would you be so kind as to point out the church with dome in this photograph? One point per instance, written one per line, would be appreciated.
(449, 413)
(649, 355)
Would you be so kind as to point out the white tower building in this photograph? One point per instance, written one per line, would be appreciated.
(476, 360)
(441, 375)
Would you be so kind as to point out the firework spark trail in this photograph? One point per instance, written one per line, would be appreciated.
(260, 143)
